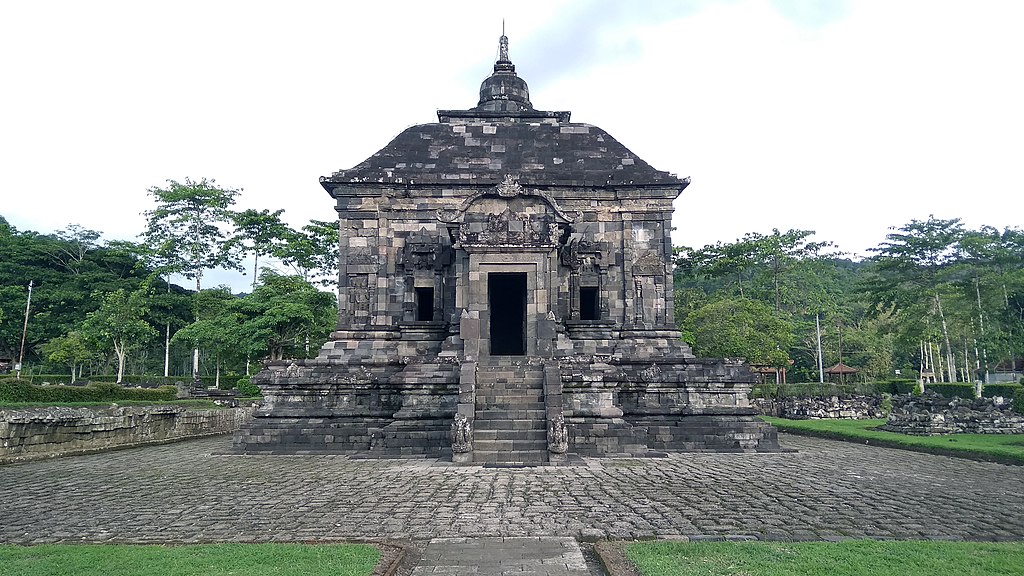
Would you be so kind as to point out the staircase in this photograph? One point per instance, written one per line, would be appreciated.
(510, 427)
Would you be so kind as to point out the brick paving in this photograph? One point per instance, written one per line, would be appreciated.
(828, 490)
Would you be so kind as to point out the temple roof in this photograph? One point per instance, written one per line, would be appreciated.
(505, 135)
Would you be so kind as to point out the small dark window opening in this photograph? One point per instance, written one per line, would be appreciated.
(425, 304)
(589, 304)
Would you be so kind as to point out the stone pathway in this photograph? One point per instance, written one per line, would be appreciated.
(828, 490)
(525, 556)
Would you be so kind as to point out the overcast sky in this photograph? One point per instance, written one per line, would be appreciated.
(842, 117)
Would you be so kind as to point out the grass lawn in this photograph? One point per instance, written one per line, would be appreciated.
(205, 559)
(853, 558)
(1005, 448)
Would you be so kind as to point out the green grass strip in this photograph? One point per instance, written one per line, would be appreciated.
(852, 558)
(205, 559)
(1002, 448)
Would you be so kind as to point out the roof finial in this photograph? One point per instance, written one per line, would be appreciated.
(503, 45)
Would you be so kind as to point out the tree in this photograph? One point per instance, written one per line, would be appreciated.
(993, 279)
(260, 232)
(217, 329)
(62, 285)
(312, 252)
(72, 349)
(910, 274)
(741, 327)
(119, 324)
(796, 277)
(285, 315)
(188, 230)
(75, 242)
(756, 266)
(189, 227)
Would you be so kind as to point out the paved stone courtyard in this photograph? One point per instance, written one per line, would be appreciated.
(183, 492)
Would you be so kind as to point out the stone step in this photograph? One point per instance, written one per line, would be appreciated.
(510, 445)
(510, 393)
(513, 383)
(503, 404)
(511, 414)
(532, 434)
(493, 384)
(527, 457)
(506, 424)
(510, 399)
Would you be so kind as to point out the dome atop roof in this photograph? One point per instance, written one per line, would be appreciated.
(504, 134)
(503, 90)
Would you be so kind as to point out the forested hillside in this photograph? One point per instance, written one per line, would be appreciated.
(934, 297)
(105, 307)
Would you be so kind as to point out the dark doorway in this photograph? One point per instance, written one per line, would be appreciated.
(506, 297)
(424, 304)
(589, 305)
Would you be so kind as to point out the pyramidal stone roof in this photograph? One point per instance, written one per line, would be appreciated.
(504, 135)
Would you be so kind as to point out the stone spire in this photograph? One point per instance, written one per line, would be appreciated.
(503, 64)
(503, 90)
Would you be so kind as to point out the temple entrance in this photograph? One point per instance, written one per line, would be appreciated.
(506, 299)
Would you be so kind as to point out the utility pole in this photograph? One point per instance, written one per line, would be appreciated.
(839, 332)
(24, 330)
(821, 362)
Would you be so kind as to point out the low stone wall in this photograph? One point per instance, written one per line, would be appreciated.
(931, 414)
(849, 407)
(36, 433)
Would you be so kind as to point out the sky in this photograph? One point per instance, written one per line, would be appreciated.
(843, 117)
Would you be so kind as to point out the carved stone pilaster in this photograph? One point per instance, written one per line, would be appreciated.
(462, 435)
(558, 436)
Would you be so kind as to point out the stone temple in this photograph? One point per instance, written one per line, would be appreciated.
(505, 298)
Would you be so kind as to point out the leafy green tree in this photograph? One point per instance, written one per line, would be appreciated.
(798, 278)
(189, 231)
(312, 252)
(910, 277)
(286, 315)
(756, 266)
(72, 350)
(260, 232)
(119, 324)
(992, 278)
(72, 246)
(741, 327)
(190, 227)
(65, 268)
(217, 329)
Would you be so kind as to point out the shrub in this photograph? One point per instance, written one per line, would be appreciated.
(965, 391)
(886, 404)
(246, 388)
(1018, 400)
(21, 391)
(1004, 390)
(146, 381)
(902, 385)
(817, 389)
